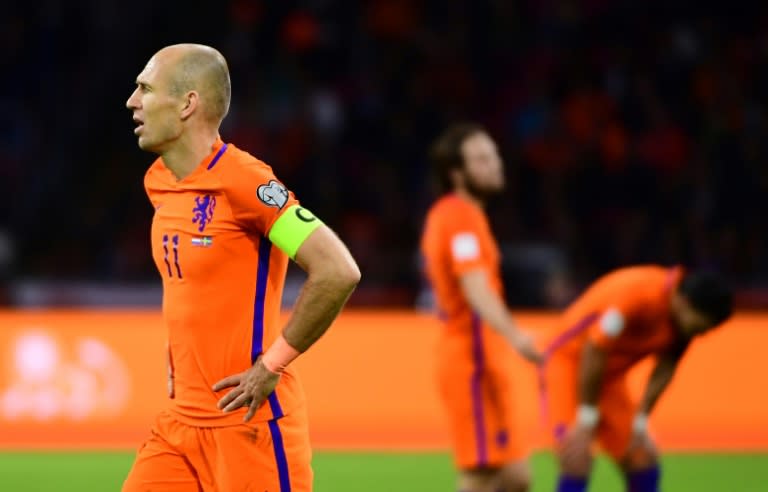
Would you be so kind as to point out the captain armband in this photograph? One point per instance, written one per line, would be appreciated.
(292, 228)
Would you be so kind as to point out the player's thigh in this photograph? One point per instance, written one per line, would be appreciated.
(272, 456)
(481, 419)
(159, 468)
(616, 413)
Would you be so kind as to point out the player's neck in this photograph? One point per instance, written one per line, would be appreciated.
(469, 197)
(188, 153)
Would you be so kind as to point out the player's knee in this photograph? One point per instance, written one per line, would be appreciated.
(515, 478)
(575, 466)
(640, 458)
(515, 484)
(575, 470)
(477, 480)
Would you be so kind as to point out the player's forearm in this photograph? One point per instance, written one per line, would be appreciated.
(320, 301)
(332, 275)
(660, 378)
(591, 372)
(489, 306)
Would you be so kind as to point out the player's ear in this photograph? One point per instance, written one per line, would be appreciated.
(191, 101)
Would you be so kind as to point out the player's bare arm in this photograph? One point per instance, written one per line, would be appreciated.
(641, 451)
(575, 452)
(332, 275)
(591, 372)
(490, 307)
(660, 377)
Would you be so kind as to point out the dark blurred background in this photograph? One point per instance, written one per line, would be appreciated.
(632, 132)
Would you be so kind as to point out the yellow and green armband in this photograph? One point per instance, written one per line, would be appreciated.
(292, 228)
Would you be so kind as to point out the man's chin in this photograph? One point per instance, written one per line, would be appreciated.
(146, 145)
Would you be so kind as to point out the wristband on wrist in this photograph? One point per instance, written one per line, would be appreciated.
(588, 416)
(279, 355)
(640, 423)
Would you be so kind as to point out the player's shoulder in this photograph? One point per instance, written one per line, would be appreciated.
(638, 282)
(242, 177)
(241, 171)
(642, 274)
(239, 164)
(451, 208)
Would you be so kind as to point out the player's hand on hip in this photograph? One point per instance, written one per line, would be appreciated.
(249, 388)
(525, 346)
(575, 454)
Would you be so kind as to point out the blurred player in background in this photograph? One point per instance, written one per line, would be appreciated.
(479, 336)
(622, 318)
(223, 230)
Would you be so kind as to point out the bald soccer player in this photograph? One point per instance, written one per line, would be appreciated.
(624, 317)
(479, 337)
(223, 230)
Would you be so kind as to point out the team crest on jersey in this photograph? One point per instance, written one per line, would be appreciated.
(203, 211)
(273, 194)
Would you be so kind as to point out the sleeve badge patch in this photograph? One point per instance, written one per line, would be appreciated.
(273, 194)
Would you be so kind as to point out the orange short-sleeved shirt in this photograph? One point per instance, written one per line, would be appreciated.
(474, 362)
(222, 277)
(626, 312)
(456, 239)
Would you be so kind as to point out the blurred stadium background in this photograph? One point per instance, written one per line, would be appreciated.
(632, 131)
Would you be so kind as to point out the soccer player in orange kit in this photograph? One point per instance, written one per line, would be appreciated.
(479, 337)
(223, 229)
(622, 318)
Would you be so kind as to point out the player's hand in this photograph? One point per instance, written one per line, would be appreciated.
(525, 346)
(575, 454)
(251, 389)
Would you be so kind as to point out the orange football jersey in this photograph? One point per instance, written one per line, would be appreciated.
(457, 238)
(626, 312)
(222, 278)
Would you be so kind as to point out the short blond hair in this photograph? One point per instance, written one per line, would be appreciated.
(205, 70)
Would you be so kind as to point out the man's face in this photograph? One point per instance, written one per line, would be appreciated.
(156, 111)
(483, 172)
(689, 321)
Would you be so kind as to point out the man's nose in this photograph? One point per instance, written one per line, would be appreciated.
(131, 102)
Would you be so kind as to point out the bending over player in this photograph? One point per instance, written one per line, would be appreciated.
(622, 318)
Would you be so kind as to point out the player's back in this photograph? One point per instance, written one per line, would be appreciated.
(222, 277)
(636, 282)
(626, 311)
